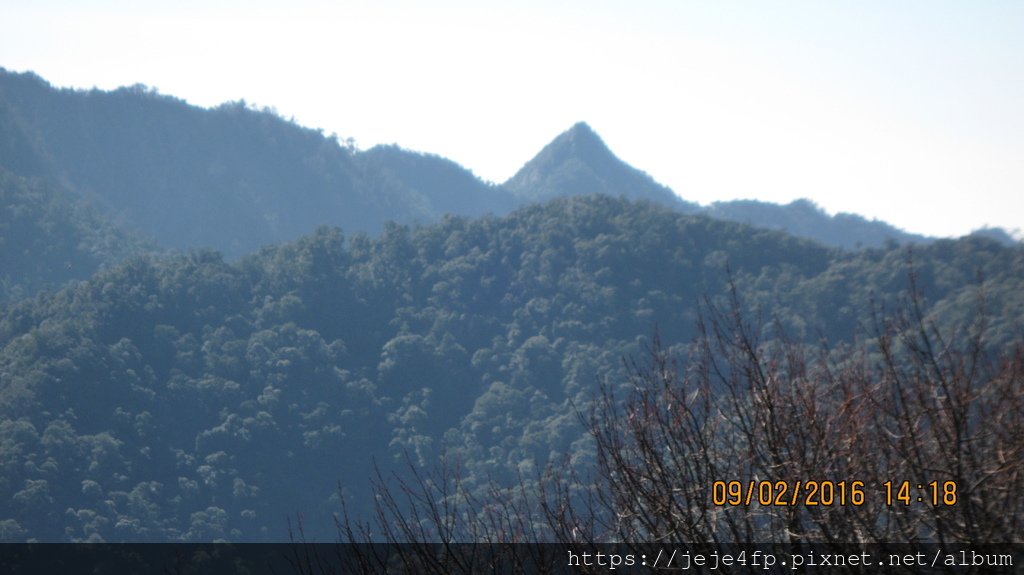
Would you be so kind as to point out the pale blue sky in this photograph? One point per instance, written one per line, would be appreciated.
(910, 112)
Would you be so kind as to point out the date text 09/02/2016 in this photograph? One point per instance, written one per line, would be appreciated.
(827, 493)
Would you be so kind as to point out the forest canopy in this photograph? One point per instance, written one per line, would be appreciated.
(188, 398)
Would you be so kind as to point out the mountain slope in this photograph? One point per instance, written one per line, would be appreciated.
(48, 237)
(578, 162)
(146, 402)
(234, 178)
(444, 186)
(231, 178)
(805, 219)
(21, 151)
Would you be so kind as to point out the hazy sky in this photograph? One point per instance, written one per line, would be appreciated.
(910, 112)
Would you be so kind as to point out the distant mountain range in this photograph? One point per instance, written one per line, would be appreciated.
(234, 178)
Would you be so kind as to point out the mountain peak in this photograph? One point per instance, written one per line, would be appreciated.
(580, 142)
(581, 130)
(578, 162)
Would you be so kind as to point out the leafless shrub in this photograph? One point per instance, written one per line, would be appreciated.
(909, 435)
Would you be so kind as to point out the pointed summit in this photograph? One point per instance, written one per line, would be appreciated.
(584, 142)
(578, 162)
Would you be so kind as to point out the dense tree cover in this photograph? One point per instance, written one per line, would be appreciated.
(190, 398)
(48, 237)
(743, 443)
(21, 150)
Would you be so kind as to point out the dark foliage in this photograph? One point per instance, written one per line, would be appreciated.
(912, 436)
(48, 237)
(188, 398)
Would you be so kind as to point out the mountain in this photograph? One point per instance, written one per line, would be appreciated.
(232, 178)
(444, 186)
(145, 403)
(578, 162)
(21, 151)
(998, 234)
(49, 237)
(805, 219)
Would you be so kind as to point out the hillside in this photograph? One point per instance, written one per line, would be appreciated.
(49, 237)
(230, 178)
(805, 219)
(444, 186)
(146, 402)
(578, 162)
(235, 178)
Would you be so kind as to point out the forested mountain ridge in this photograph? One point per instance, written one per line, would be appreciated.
(48, 234)
(230, 178)
(21, 150)
(448, 187)
(146, 402)
(234, 178)
(48, 237)
(805, 219)
(578, 162)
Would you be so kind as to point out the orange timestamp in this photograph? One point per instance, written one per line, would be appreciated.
(829, 493)
(785, 493)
